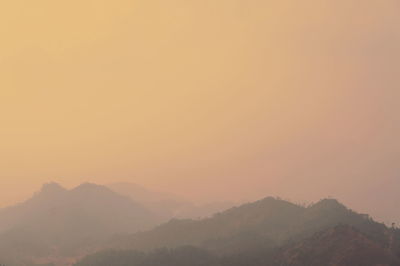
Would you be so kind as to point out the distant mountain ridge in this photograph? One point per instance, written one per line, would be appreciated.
(61, 221)
(166, 204)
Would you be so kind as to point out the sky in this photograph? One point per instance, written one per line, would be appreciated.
(211, 100)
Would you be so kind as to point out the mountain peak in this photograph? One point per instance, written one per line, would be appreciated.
(328, 204)
(90, 187)
(86, 189)
(276, 202)
(52, 188)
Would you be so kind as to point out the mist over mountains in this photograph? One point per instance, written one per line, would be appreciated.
(60, 222)
(125, 224)
(168, 205)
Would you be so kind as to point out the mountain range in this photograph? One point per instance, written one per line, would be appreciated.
(93, 225)
(263, 233)
(270, 221)
(342, 245)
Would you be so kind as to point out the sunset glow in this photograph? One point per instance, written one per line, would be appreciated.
(210, 100)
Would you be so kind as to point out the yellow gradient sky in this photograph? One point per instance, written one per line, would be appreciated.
(211, 99)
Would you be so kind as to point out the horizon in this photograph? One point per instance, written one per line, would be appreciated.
(55, 185)
(233, 202)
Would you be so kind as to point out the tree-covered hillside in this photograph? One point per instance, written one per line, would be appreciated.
(267, 232)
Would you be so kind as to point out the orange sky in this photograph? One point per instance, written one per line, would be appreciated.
(226, 99)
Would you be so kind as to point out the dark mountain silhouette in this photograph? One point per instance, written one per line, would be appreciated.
(268, 222)
(265, 233)
(342, 245)
(56, 221)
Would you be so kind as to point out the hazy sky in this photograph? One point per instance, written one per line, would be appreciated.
(210, 99)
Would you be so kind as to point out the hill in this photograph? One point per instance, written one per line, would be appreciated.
(342, 245)
(60, 222)
(268, 222)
